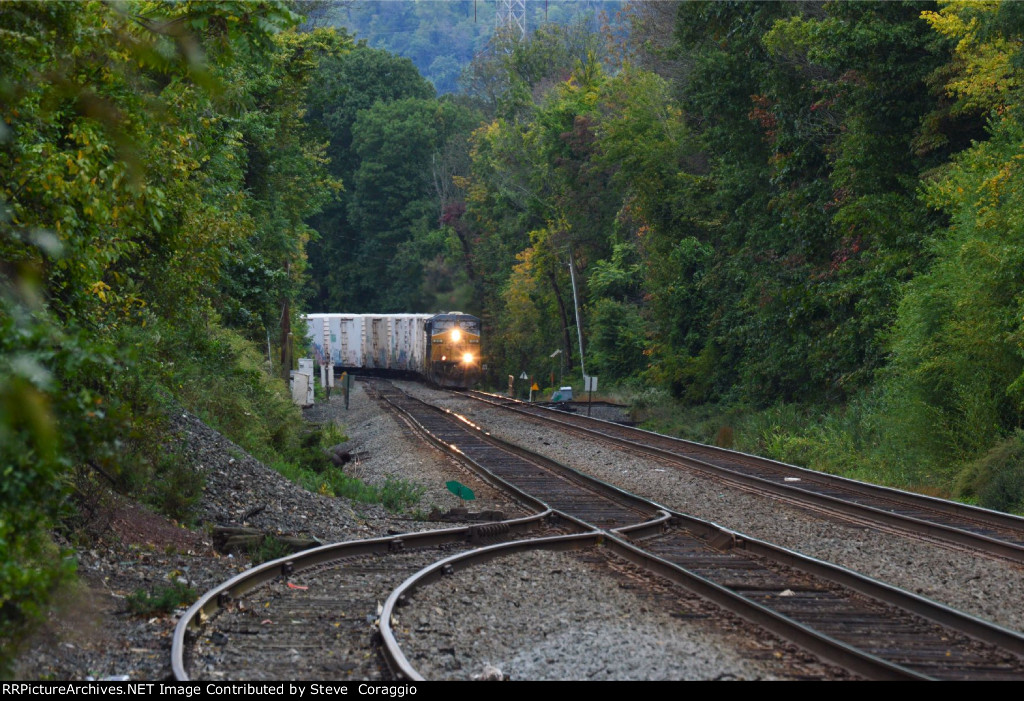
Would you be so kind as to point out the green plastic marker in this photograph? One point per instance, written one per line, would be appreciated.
(460, 490)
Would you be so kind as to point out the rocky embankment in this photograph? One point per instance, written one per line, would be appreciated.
(125, 548)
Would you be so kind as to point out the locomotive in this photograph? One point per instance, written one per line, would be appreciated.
(443, 348)
(454, 357)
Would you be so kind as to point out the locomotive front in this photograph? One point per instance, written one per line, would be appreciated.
(454, 349)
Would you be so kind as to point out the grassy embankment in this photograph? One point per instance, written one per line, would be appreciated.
(859, 441)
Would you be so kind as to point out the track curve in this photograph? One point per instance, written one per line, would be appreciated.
(988, 532)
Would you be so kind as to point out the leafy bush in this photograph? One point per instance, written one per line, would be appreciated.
(32, 476)
(1005, 491)
(268, 548)
(129, 190)
(617, 340)
(225, 380)
(164, 599)
(177, 487)
(996, 480)
(399, 494)
(341, 485)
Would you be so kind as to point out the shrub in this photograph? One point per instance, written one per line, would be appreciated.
(32, 484)
(177, 487)
(269, 548)
(165, 599)
(223, 378)
(399, 494)
(996, 480)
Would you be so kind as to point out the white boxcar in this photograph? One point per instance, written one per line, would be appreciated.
(408, 342)
(370, 341)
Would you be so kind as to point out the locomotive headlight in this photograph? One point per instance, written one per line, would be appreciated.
(467, 358)
(456, 335)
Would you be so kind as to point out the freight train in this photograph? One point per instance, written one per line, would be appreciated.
(443, 348)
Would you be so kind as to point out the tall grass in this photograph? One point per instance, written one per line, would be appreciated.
(395, 494)
(856, 440)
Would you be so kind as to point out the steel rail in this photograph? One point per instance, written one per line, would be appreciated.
(726, 541)
(837, 652)
(402, 402)
(915, 525)
(660, 526)
(224, 595)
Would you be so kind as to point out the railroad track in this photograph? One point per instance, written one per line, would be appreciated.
(309, 615)
(523, 473)
(989, 532)
(863, 625)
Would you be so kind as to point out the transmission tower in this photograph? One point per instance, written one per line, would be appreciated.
(510, 19)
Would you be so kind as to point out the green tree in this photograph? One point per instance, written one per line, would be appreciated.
(817, 121)
(394, 205)
(955, 383)
(346, 85)
(128, 139)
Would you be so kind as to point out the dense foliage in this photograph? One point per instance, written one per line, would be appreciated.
(799, 222)
(750, 206)
(957, 375)
(804, 204)
(380, 249)
(442, 38)
(157, 175)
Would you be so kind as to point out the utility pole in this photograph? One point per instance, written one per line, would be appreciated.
(286, 334)
(576, 304)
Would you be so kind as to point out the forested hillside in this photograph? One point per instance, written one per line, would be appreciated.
(441, 38)
(794, 228)
(795, 216)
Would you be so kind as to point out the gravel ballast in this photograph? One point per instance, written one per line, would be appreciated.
(91, 634)
(544, 615)
(94, 636)
(984, 587)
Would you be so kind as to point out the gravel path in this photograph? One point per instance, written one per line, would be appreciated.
(981, 586)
